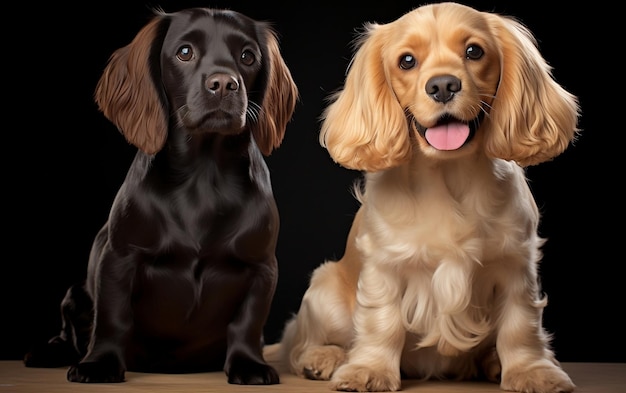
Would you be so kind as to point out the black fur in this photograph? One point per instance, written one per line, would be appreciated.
(182, 275)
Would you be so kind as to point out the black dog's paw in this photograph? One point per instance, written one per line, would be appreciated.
(248, 372)
(107, 369)
(54, 353)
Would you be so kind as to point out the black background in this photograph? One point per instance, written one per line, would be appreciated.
(63, 162)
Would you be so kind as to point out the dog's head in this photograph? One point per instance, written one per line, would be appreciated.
(448, 80)
(201, 69)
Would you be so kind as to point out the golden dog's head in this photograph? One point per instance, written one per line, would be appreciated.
(448, 80)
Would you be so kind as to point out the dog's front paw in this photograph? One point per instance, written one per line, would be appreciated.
(360, 378)
(244, 371)
(540, 379)
(319, 362)
(107, 369)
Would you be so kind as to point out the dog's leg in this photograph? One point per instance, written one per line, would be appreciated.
(528, 364)
(110, 276)
(77, 308)
(71, 343)
(104, 361)
(314, 342)
(244, 359)
(374, 360)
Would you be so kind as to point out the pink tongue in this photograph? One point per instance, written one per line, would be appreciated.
(447, 137)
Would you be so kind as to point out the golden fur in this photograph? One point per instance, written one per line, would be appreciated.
(440, 273)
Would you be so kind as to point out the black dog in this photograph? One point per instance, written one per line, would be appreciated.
(182, 275)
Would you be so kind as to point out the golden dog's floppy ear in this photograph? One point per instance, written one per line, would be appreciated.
(127, 96)
(279, 100)
(534, 118)
(364, 126)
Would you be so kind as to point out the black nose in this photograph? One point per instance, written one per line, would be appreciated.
(222, 84)
(442, 88)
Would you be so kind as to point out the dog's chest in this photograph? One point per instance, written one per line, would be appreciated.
(209, 214)
(188, 296)
(435, 218)
(430, 222)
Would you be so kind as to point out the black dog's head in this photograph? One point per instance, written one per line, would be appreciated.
(212, 70)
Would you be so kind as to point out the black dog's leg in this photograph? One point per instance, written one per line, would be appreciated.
(250, 370)
(244, 360)
(104, 361)
(71, 344)
(107, 369)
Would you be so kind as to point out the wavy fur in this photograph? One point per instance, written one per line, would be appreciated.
(440, 274)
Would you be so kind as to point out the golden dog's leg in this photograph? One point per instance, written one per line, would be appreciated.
(314, 342)
(528, 363)
(374, 360)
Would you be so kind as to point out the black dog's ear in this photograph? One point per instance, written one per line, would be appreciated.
(127, 95)
(279, 99)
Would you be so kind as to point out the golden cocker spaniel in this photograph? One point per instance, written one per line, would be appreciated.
(442, 109)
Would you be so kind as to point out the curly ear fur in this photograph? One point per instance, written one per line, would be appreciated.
(533, 118)
(365, 128)
(126, 89)
(279, 101)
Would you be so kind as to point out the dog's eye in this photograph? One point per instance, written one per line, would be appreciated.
(474, 52)
(407, 62)
(247, 57)
(185, 53)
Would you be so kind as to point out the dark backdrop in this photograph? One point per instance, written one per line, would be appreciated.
(63, 162)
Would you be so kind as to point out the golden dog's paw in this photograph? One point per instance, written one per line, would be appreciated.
(543, 379)
(321, 361)
(359, 378)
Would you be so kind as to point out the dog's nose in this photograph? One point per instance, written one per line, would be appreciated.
(443, 88)
(222, 84)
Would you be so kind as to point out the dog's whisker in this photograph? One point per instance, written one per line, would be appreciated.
(180, 119)
(253, 111)
(485, 108)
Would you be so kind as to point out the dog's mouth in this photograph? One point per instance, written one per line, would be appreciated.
(449, 133)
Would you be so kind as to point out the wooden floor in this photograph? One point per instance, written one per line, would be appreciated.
(16, 378)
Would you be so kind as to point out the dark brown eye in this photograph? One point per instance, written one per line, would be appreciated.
(185, 53)
(247, 57)
(474, 52)
(407, 62)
